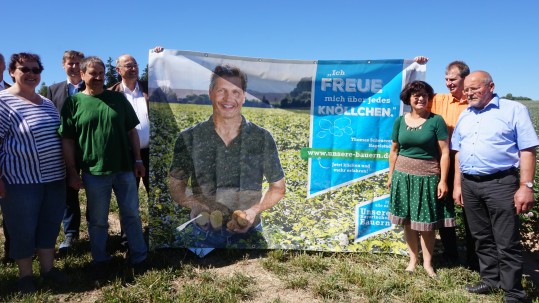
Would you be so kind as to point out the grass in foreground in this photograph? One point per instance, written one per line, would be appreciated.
(228, 276)
(258, 276)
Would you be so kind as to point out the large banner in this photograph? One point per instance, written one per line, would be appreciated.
(272, 154)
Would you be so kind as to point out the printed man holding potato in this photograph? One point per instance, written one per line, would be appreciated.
(219, 165)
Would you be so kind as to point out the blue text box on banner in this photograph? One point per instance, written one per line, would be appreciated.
(354, 106)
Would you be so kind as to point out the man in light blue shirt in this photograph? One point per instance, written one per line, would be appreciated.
(493, 137)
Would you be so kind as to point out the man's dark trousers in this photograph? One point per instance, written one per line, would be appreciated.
(494, 224)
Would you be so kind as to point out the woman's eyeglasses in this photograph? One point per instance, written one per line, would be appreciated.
(34, 70)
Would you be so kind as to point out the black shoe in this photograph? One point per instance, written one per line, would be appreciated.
(100, 271)
(479, 288)
(26, 285)
(141, 268)
(55, 278)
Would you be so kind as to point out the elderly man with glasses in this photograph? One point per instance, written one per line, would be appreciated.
(136, 92)
(493, 138)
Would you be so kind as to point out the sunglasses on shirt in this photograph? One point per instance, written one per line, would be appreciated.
(34, 70)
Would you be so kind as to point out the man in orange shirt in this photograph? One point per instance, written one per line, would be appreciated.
(449, 106)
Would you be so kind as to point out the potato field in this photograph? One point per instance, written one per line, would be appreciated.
(325, 222)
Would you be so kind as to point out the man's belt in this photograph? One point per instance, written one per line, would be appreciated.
(496, 175)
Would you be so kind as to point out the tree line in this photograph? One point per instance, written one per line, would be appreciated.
(517, 98)
(111, 76)
(298, 98)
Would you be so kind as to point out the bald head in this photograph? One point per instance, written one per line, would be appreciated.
(482, 75)
(479, 88)
(127, 67)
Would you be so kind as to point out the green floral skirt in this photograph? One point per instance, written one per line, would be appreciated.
(413, 199)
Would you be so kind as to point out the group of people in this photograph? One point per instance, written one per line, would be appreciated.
(81, 135)
(469, 148)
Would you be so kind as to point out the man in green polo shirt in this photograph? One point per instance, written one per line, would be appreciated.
(98, 134)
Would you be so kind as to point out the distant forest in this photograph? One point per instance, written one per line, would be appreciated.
(299, 97)
(517, 98)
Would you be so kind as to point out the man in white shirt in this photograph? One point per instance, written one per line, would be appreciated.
(136, 92)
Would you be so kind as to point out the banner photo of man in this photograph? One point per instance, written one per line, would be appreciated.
(260, 153)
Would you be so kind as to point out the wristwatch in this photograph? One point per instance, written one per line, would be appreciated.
(527, 184)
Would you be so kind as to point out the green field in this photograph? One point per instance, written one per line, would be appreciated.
(325, 222)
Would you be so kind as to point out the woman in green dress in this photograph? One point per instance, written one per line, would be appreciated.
(418, 166)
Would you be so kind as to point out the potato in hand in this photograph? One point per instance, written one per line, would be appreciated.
(238, 220)
(241, 218)
(204, 219)
(216, 219)
(232, 225)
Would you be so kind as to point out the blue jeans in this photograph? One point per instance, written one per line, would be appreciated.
(72, 212)
(98, 194)
(32, 215)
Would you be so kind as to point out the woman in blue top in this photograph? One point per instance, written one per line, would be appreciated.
(418, 166)
(32, 171)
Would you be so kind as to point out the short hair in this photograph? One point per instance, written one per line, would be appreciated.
(23, 57)
(463, 68)
(124, 55)
(2, 58)
(227, 71)
(414, 87)
(70, 54)
(90, 61)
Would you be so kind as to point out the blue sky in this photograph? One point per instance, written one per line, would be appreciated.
(497, 36)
